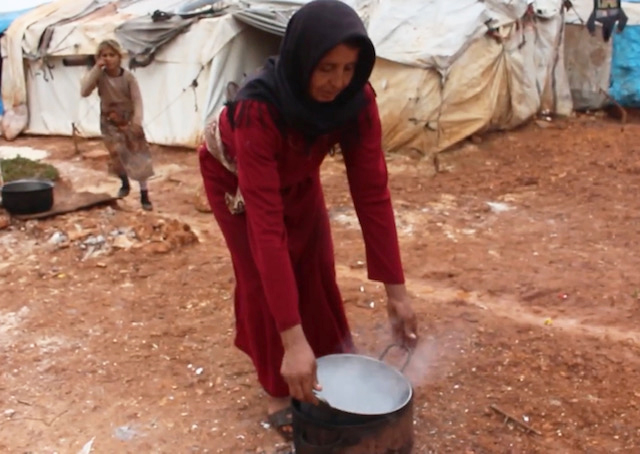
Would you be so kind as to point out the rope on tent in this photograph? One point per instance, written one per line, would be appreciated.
(173, 101)
(568, 4)
(193, 85)
(58, 49)
(47, 66)
(89, 109)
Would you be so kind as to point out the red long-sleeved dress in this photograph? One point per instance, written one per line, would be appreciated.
(281, 247)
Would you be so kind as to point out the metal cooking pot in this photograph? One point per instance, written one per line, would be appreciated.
(389, 434)
(27, 196)
(366, 407)
(363, 386)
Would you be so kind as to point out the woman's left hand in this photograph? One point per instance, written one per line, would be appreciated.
(404, 324)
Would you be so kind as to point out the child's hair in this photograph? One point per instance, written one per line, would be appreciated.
(109, 44)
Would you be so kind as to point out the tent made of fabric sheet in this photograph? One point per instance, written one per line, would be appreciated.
(597, 70)
(445, 70)
(8, 13)
(588, 60)
(10, 10)
(23, 37)
(440, 77)
(183, 84)
(454, 88)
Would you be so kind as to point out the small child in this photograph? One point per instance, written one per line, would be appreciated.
(121, 119)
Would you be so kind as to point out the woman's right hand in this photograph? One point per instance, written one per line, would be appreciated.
(299, 365)
(100, 63)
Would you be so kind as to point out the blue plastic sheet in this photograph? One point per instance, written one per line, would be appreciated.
(7, 18)
(625, 65)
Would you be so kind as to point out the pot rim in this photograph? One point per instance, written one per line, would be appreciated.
(9, 186)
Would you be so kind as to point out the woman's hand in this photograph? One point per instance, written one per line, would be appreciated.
(299, 365)
(404, 324)
(100, 63)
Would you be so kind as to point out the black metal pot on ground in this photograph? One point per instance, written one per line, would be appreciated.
(366, 408)
(27, 196)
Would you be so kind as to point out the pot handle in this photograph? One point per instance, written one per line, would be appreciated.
(402, 347)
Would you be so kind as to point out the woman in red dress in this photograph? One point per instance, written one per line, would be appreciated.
(261, 171)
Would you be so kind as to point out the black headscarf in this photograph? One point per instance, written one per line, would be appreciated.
(283, 82)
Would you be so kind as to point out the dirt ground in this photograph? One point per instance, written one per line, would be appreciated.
(116, 325)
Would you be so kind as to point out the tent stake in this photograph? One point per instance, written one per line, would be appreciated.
(623, 113)
(74, 134)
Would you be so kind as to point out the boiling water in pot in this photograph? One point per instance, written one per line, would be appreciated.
(361, 385)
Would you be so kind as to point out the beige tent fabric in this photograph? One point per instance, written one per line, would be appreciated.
(408, 100)
(471, 92)
(588, 60)
(491, 85)
(20, 34)
(441, 111)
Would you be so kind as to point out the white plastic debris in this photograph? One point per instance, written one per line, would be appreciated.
(86, 449)
(94, 240)
(58, 238)
(499, 207)
(125, 433)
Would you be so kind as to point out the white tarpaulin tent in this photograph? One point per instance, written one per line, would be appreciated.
(440, 76)
(180, 87)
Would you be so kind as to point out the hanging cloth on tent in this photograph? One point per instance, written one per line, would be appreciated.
(142, 37)
(607, 12)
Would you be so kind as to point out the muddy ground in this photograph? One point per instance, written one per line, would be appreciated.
(522, 253)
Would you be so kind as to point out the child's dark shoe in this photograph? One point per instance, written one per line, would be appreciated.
(123, 192)
(145, 202)
(125, 188)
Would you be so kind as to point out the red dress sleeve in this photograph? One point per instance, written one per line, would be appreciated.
(257, 142)
(368, 182)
